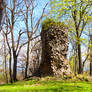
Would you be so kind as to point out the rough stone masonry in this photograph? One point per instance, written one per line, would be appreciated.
(54, 50)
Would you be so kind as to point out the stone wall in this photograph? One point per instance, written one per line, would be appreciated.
(54, 50)
(54, 38)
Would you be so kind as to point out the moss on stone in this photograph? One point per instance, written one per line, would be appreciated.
(51, 22)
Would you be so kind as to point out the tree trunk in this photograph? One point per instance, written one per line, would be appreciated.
(75, 66)
(26, 70)
(10, 70)
(79, 58)
(1, 10)
(6, 71)
(14, 66)
(28, 59)
(5, 62)
(6, 76)
(80, 71)
(90, 68)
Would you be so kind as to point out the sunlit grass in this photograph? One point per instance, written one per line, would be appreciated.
(47, 85)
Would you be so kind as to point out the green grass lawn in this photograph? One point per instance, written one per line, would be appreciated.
(47, 86)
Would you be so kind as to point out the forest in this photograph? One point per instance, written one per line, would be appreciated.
(45, 45)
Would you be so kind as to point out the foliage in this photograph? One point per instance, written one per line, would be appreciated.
(77, 13)
(71, 63)
(80, 14)
(61, 8)
(52, 22)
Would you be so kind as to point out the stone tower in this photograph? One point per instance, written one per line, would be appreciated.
(54, 38)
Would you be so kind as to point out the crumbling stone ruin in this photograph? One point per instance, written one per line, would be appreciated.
(54, 38)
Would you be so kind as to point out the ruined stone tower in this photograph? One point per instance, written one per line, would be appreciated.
(54, 38)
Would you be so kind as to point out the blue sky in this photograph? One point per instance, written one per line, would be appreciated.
(37, 13)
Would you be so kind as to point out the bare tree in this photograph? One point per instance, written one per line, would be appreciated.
(31, 27)
(14, 46)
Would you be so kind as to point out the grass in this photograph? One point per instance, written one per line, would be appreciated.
(47, 85)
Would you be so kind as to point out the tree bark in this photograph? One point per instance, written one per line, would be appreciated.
(1, 10)
(15, 66)
(28, 59)
(90, 68)
(10, 70)
(75, 66)
(79, 51)
(6, 76)
(79, 58)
